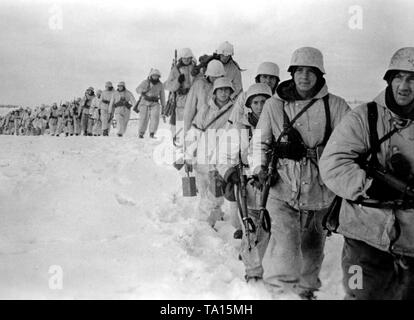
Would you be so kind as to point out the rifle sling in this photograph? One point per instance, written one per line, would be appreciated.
(215, 119)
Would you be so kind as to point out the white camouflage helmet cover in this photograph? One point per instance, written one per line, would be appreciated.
(268, 68)
(185, 53)
(154, 72)
(258, 89)
(223, 82)
(307, 57)
(225, 48)
(402, 60)
(215, 69)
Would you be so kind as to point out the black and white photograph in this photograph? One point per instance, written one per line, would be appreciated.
(207, 150)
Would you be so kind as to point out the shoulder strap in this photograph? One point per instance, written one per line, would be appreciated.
(216, 118)
(287, 125)
(328, 127)
(374, 141)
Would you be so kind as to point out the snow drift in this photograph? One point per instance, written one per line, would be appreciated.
(116, 224)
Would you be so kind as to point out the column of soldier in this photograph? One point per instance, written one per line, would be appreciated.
(301, 164)
(91, 115)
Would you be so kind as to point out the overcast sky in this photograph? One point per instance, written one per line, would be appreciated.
(43, 61)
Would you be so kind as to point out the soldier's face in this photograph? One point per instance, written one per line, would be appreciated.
(257, 104)
(186, 61)
(403, 88)
(223, 94)
(271, 81)
(224, 59)
(305, 79)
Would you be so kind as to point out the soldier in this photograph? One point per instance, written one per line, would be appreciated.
(69, 116)
(106, 97)
(53, 119)
(96, 114)
(232, 159)
(120, 105)
(201, 149)
(179, 82)
(41, 120)
(152, 92)
(86, 121)
(1, 124)
(26, 121)
(76, 114)
(369, 162)
(201, 92)
(298, 199)
(225, 51)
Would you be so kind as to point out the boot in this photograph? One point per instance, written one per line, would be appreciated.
(307, 295)
(119, 134)
(141, 136)
(152, 135)
(105, 132)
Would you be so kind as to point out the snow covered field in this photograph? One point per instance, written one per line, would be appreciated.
(117, 225)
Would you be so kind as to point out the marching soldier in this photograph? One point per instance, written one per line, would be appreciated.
(152, 92)
(369, 162)
(120, 105)
(294, 125)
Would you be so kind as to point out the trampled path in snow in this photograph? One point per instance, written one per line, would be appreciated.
(115, 223)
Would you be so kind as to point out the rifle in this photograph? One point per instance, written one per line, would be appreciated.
(270, 179)
(172, 96)
(241, 198)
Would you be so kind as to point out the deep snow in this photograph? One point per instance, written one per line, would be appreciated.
(117, 225)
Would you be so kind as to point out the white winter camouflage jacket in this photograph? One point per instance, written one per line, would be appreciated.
(298, 182)
(344, 176)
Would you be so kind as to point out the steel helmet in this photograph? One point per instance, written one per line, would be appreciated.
(307, 57)
(215, 69)
(222, 83)
(258, 89)
(185, 53)
(121, 83)
(225, 48)
(402, 60)
(268, 68)
(154, 72)
(108, 84)
(90, 89)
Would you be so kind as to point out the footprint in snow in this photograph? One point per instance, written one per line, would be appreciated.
(124, 201)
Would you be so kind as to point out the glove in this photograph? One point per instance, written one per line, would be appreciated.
(231, 176)
(181, 78)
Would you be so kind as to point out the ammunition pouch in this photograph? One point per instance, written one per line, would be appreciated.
(291, 150)
(123, 103)
(105, 101)
(150, 99)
